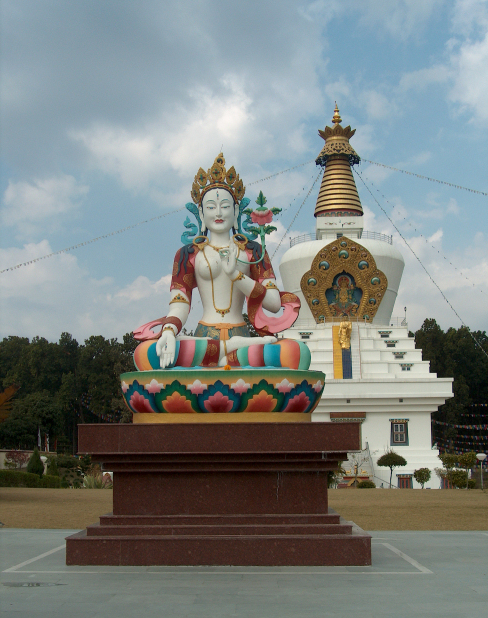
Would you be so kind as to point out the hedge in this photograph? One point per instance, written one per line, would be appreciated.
(366, 485)
(14, 478)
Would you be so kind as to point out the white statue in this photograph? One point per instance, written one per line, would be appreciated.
(227, 268)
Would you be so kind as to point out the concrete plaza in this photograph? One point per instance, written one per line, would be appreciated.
(416, 574)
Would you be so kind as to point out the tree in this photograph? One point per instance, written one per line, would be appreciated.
(422, 476)
(449, 461)
(35, 465)
(467, 461)
(52, 467)
(6, 401)
(16, 459)
(357, 460)
(391, 460)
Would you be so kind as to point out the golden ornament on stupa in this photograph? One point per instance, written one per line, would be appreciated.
(338, 195)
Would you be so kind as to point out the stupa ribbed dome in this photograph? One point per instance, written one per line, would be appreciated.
(338, 194)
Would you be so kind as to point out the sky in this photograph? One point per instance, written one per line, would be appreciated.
(109, 109)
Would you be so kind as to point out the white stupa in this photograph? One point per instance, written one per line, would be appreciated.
(342, 273)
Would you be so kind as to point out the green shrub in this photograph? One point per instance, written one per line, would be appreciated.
(67, 461)
(366, 485)
(35, 465)
(48, 481)
(52, 467)
(84, 462)
(422, 476)
(459, 478)
(64, 484)
(471, 484)
(14, 478)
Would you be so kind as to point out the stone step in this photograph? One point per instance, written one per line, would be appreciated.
(253, 550)
(216, 520)
(225, 530)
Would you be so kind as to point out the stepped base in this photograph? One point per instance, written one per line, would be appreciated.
(220, 494)
(280, 545)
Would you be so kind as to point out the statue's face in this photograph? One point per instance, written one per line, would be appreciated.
(218, 210)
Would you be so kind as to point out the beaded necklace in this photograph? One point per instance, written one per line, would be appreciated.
(222, 312)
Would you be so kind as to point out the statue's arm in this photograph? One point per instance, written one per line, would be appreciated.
(263, 275)
(182, 284)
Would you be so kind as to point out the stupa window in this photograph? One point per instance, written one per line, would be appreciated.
(399, 433)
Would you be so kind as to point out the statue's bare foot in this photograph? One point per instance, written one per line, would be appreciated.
(235, 343)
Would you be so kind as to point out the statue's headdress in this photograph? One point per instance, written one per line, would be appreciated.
(217, 176)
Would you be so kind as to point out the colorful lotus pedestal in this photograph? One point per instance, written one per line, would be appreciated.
(220, 494)
(159, 395)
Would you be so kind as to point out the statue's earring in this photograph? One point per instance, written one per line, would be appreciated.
(204, 227)
(236, 217)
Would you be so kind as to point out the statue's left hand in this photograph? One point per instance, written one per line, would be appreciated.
(229, 262)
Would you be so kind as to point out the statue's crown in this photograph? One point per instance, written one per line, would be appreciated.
(217, 176)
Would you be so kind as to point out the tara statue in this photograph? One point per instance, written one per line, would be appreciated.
(227, 267)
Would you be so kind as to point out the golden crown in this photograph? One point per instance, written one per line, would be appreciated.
(217, 176)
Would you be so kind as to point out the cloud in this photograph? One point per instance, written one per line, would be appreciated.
(470, 87)
(466, 62)
(459, 275)
(28, 204)
(178, 143)
(401, 19)
(422, 78)
(56, 295)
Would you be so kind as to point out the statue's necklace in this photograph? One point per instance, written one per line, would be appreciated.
(221, 311)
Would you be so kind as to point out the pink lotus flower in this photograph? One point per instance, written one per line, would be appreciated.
(261, 216)
(140, 404)
(218, 404)
(299, 403)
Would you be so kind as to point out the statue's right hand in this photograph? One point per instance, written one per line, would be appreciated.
(166, 347)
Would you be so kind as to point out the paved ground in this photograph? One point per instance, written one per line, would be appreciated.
(414, 574)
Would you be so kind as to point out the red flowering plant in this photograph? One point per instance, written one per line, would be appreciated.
(261, 217)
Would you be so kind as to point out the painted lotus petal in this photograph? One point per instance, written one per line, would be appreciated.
(262, 397)
(225, 391)
(285, 386)
(299, 403)
(307, 390)
(184, 403)
(139, 403)
(154, 386)
(318, 386)
(218, 404)
(177, 404)
(240, 386)
(136, 395)
(125, 387)
(262, 402)
(197, 388)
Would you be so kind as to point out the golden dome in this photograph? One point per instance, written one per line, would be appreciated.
(338, 194)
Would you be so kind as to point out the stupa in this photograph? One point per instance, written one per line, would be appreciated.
(347, 280)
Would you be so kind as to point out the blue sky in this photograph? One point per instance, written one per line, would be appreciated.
(109, 109)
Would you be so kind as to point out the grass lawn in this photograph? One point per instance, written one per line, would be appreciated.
(371, 509)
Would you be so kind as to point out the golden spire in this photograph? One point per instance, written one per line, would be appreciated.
(336, 119)
(338, 194)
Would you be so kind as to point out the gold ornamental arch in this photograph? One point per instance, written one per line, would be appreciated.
(346, 272)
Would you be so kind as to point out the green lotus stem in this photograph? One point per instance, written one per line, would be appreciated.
(262, 233)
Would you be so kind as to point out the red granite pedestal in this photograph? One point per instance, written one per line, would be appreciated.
(220, 494)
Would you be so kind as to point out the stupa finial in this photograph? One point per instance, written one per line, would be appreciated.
(336, 119)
